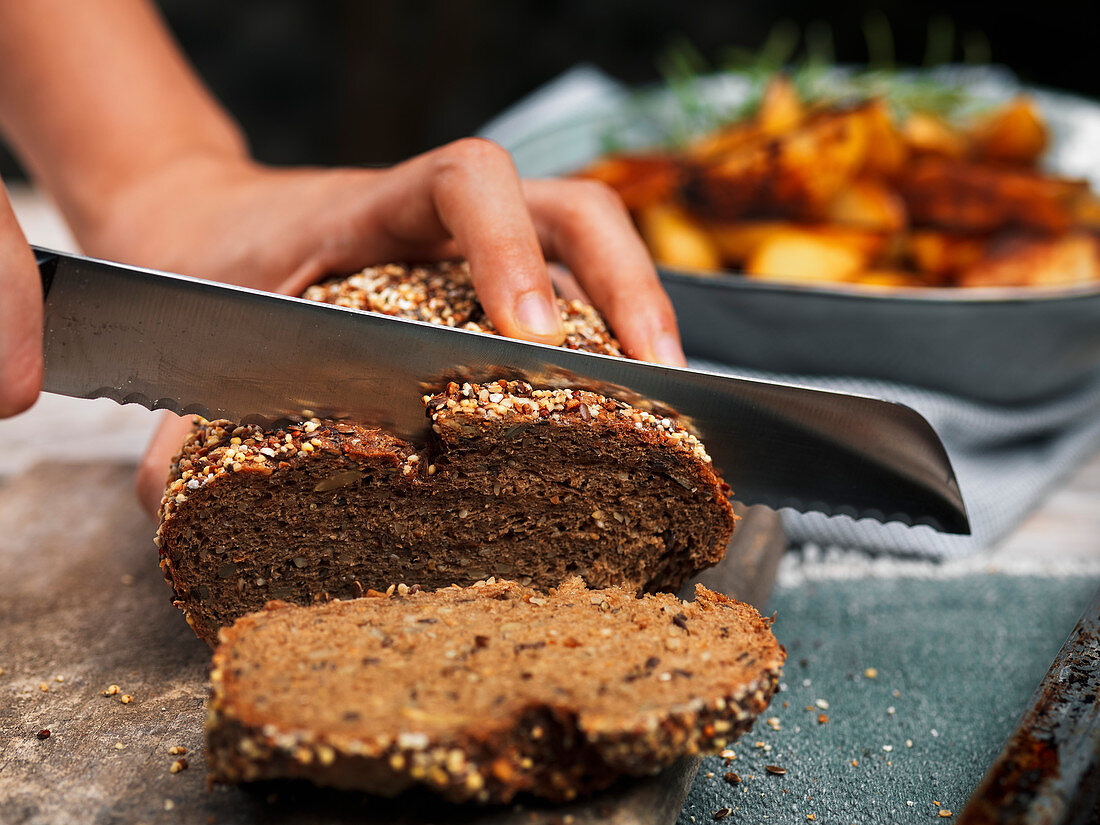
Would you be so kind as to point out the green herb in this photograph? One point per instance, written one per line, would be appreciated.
(808, 58)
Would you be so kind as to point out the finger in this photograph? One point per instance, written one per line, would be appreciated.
(585, 225)
(152, 473)
(20, 316)
(469, 191)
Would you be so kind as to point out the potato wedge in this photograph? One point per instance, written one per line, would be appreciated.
(1013, 133)
(793, 175)
(888, 278)
(927, 134)
(983, 198)
(781, 108)
(738, 241)
(677, 240)
(869, 204)
(1071, 260)
(640, 180)
(942, 255)
(806, 257)
(886, 148)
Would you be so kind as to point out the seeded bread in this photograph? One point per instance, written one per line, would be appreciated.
(530, 484)
(487, 691)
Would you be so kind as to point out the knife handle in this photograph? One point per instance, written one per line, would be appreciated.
(47, 265)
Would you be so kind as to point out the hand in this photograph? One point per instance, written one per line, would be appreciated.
(20, 317)
(282, 230)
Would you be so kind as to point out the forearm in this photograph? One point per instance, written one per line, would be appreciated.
(96, 97)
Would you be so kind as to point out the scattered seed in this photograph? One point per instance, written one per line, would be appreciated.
(169, 804)
(821, 703)
(891, 710)
(126, 698)
(871, 673)
(59, 678)
(822, 719)
(44, 733)
(44, 687)
(773, 722)
(908, 743)
(728, 754)
(177, 750)
(178, 765)
(111, 690)
(945, 813)
(119, 746)
(778, 771)
(722, 813)
(888, 748)
(810, 817)
(732, 778)
(855, 764)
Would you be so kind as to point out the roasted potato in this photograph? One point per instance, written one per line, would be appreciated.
(793, 175)
(676, 240)
(887, 150)
(781, 109)
(972, 197)
(1070, 260)
(640, 180)
(928, 134)
(869, 204)
(805, 256)
(1013, 133)
(942, 255)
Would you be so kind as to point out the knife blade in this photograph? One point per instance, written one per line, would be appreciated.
(193, 346)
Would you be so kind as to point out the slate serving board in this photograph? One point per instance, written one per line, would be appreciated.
(82, 598)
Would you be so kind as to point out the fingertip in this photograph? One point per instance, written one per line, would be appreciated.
(537, 319)
(667, 350)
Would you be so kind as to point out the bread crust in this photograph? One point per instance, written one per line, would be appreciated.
(555, 749)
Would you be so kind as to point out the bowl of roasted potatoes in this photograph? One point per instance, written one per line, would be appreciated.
(944, 233)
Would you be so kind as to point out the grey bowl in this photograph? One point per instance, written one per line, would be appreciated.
(1006, 346)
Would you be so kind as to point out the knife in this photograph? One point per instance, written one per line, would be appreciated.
(193, 346)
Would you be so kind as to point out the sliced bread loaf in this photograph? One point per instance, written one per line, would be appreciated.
(531, 484)
(486, 691)
(537, 485)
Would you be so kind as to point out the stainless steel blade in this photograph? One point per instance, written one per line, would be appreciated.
(193, 346)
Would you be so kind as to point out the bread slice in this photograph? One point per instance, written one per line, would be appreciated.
(537, 485)
(530, 484)
(487, 691)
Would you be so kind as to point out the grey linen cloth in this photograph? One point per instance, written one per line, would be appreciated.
(1005, 459)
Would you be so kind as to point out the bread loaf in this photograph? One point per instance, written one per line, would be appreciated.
(530, 484)
(486, 691)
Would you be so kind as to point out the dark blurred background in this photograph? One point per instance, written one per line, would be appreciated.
(374, 81)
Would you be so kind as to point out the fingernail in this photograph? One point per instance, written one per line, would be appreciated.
(666, 349)
(537, 318)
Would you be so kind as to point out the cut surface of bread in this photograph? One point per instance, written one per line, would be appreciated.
(486, 691)
(536, 485)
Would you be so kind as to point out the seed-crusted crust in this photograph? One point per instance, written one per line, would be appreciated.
(220, 456)
(443, 293)
(615, 685)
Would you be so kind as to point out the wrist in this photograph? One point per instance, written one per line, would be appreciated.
(132, 220)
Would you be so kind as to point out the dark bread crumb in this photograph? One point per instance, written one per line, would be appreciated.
(573, 689)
